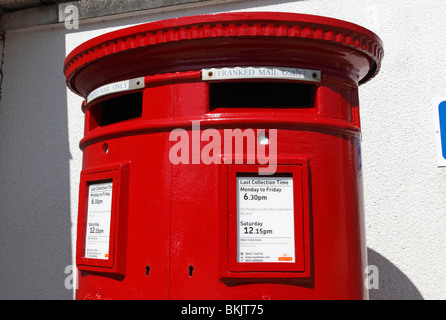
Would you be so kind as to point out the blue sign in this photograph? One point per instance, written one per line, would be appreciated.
(440, 129)
(442, 116)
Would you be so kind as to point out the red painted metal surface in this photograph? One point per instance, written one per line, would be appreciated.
(173, 234)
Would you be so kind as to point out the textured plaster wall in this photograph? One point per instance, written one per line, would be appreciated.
(405, 203)
(35, 223)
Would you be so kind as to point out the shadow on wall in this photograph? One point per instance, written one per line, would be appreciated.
(393, 283)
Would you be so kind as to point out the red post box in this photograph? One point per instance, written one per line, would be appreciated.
(221, 158)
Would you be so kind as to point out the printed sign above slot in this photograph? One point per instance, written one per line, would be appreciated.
(115, 87)
(280, 73)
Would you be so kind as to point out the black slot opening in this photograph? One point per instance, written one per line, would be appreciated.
(121, 108)
(261, 95)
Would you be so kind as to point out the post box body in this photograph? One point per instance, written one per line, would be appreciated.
(164, 212)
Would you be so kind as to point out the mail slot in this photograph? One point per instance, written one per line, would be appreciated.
(222, 158)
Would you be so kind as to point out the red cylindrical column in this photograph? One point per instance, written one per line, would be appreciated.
(221, 158)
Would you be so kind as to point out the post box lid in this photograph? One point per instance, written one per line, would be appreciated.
(126, 53)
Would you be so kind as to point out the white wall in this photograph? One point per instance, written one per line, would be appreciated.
(405, 203)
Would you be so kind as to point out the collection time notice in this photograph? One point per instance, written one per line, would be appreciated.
(265, 219)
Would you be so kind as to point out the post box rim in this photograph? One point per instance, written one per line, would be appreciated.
(313, 27)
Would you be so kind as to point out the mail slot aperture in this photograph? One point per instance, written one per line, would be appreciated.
(261, 95)
(116, 109)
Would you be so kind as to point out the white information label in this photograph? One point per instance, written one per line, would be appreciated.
(97, 239)
(115, 87)
(284, 73)
(108, 89)
(265, 219)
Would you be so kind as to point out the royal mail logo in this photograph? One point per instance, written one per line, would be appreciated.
(285, 258)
